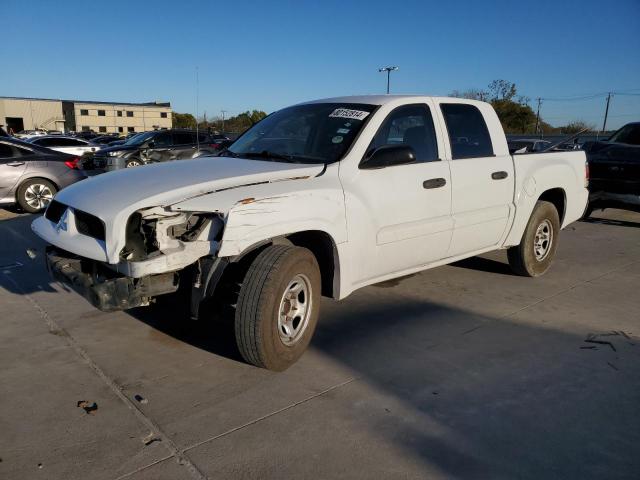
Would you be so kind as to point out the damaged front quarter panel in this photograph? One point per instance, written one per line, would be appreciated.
(159, 240)
(257, 213)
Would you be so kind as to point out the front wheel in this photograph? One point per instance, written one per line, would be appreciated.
(539, 242)
(133, 162)
(278, 307)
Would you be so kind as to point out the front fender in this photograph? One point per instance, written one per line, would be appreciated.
(260, 212)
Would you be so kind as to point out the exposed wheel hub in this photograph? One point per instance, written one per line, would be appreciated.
(295, 310)
(543, 240)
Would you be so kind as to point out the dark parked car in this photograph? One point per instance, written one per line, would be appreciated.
(614, 170)
(31, 175)
(105, 139)
(151, 147)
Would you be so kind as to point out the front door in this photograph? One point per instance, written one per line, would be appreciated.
(400, 214)
(483, 181)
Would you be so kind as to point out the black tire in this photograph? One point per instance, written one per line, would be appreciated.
(258, 332)
(27, 198)
(133, 162)
(527, 259)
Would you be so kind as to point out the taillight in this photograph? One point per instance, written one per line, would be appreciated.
(73, 163)
(586, 174)
(214, 145)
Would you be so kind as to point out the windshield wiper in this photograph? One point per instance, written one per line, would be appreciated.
(267, 155)
(226, 153)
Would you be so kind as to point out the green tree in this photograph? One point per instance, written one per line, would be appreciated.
(515, 115)
(183, 120)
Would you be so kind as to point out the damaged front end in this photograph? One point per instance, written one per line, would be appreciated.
(158, 240)
(102, 287)
(159, 245)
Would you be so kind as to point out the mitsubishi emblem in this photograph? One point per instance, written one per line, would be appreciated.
(62, 223)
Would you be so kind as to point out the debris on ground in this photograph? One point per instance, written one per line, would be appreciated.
(140, 399)
(149, 439)
(89, 407)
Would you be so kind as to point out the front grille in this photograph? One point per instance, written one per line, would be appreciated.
(54, 211)
(89, 225)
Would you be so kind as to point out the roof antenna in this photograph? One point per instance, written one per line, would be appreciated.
(197, 95)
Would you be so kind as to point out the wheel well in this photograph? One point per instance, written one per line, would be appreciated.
(321, 245)
(558, 198)
(34, 178)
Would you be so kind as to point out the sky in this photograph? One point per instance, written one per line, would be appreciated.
(267, 55)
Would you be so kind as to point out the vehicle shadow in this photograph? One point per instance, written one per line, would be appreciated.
(610, 221)
(466, 395)
(483, 264)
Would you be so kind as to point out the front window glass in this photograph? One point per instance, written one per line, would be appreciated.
(312, 133)
(409, 125)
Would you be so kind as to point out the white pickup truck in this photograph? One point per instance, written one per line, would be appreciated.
(320, 198)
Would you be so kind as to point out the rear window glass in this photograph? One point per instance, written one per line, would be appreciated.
(468, 133)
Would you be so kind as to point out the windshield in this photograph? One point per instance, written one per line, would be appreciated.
(139, 138)
(312, 133)
(628, 134)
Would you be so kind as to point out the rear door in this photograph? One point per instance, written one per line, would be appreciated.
(12, 167)
(482, 179)
(184, 145)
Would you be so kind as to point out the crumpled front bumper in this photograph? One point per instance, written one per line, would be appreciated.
(107, 290)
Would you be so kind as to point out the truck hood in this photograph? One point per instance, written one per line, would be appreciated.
(114, 196)
(162, 184)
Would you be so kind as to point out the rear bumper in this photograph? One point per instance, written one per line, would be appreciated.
(103, 289)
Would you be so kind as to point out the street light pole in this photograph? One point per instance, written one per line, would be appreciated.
(388, 70)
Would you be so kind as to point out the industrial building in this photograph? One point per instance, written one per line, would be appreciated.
(17, 114)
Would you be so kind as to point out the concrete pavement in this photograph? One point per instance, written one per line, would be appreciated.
(462, 371)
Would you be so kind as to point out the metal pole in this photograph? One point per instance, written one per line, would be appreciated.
(197, 94)
(388, 79)
(538, 115)
(223, 112)
(606, 113)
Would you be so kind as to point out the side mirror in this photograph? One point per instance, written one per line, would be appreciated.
(389, 155)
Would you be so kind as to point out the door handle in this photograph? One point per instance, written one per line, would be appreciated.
(434, 183)
(499, 175)
(15, 164)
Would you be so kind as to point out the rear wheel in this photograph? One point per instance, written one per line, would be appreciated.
(35, 194)
(539, 242)
(278, 307)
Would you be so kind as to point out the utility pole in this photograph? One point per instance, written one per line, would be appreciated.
(606, 113)
(538, 115)
(388, 70)
(197, 95)
(223, 112)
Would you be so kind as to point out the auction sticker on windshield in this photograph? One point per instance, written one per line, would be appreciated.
(346, 113)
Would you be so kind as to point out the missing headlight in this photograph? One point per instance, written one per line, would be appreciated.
(139, 238)
(196, 223)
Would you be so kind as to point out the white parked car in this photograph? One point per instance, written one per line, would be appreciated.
(321, 198)
(61, 143)
(26, 134)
